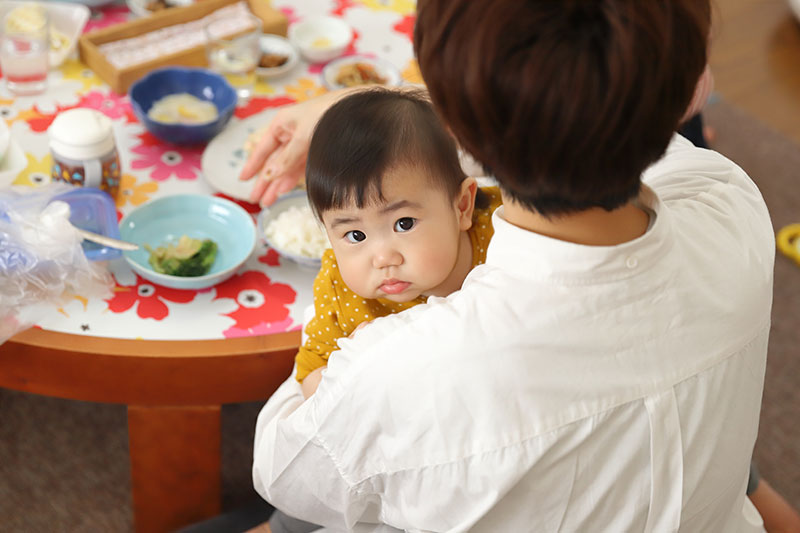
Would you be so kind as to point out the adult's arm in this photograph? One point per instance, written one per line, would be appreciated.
(278, 159)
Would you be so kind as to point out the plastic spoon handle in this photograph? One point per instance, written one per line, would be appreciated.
(107, 241)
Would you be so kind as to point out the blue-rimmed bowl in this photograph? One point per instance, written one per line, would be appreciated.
(199, 82)
(164, 220)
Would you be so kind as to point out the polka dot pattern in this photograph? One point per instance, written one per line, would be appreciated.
(339, 311)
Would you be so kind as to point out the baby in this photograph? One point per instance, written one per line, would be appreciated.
(404, 221)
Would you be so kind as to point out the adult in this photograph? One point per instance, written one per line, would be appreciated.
(603, 370)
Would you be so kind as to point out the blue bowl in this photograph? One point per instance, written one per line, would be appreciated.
(164, 220)
(199, 82)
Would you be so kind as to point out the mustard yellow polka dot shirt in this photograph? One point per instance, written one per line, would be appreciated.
(338, 310)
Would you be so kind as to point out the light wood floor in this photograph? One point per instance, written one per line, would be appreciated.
(755, 58)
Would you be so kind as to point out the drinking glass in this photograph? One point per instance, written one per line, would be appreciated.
(24, 49)
(235, 54)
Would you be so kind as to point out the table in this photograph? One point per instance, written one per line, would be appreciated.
(174, 357)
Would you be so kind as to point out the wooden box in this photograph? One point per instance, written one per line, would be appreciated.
(121, 79)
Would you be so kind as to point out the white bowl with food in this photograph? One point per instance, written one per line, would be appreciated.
(321, 39)
(290, 227)
(278, 56)
(355, 70)
(67, 21)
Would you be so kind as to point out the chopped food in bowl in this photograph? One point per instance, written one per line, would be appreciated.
(355, 70)
(290, 227)
(278, 56)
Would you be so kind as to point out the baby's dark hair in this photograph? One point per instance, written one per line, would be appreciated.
(370, 132)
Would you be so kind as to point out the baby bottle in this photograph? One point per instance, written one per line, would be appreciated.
(83, 149)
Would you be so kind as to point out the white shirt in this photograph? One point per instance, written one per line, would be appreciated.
(564, 388)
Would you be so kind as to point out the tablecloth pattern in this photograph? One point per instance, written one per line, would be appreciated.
(268, 294)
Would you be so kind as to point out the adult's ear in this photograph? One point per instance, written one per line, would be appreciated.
(465, 203)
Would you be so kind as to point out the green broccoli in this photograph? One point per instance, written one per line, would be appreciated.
(190, 257)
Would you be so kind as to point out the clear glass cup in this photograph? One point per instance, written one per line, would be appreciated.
(24, 49)
(234, 53)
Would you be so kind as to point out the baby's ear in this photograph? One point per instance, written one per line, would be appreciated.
(465, 203)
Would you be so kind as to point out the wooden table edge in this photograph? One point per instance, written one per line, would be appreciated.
(147, 372)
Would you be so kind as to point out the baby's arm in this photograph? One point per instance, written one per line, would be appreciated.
(323, 330)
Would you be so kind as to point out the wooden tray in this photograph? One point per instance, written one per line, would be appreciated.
(121, 79)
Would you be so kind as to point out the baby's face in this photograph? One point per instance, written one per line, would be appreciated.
(399, 249)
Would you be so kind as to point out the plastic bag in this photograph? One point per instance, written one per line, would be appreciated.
(41, 259)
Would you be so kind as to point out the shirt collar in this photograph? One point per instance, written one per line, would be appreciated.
(536, 256)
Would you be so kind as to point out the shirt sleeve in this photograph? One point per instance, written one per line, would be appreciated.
(324, 329)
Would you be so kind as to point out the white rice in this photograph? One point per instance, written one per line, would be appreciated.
(296, 230)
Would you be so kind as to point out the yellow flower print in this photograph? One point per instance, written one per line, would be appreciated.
(37, 173)
(72, 69)
(404, 7)
(11, 116)
(411, 73)
(263, 88)
(129, 191)
(305, 90)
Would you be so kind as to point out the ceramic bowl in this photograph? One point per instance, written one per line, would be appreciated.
(202, 83)
(321, 39)
(268, 214)
(275, 44)
(164, 220)
(384, 69)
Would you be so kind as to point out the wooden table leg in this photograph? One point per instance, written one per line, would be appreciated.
(175, 465)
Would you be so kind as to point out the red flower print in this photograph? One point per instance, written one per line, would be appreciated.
(149, 296)
(341, 6)
(260, 103)
(110, 104)
(270, 258)
(262, 303)
(406, 26)
(167, 160)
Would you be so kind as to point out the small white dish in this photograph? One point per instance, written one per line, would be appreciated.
(297, 199)
(321, 39)
(275, 44)
(384, 69)
(12, 164)
(66, 19)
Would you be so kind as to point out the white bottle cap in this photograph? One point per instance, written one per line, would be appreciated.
(81, 133)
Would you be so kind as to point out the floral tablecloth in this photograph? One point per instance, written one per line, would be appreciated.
(268, 294)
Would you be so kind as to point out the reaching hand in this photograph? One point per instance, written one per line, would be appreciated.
(279, 157)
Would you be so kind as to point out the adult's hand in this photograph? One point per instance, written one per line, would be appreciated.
(278, 159)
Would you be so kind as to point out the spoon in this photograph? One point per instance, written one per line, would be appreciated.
(106, 241)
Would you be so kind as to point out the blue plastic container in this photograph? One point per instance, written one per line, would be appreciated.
(93, 210)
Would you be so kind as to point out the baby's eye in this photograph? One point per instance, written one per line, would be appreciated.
(404, 224)
(355, 236)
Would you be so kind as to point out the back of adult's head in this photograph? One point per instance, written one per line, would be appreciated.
(566, 102)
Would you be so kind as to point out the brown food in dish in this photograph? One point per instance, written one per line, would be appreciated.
(272, 60)
(358, 74)
(156, 5)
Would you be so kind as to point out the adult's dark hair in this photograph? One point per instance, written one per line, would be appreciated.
(566, 102)
(366, 134)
